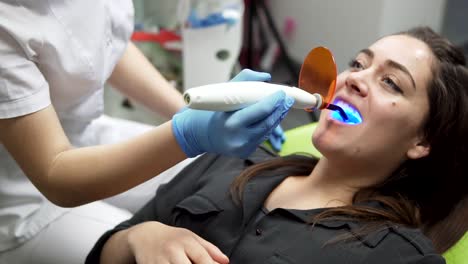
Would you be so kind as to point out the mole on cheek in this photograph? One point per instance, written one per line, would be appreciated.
(393, 104)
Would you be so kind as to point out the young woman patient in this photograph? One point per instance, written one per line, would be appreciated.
(380, 185)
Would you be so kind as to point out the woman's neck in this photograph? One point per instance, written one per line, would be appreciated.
(310, 192)
(341, 181)
(329, 185)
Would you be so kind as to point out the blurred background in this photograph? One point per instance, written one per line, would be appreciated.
(196, 42)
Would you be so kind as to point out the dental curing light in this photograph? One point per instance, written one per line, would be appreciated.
(317, 82)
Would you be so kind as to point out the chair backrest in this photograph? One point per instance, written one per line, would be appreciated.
(299, 139)
(458, 253)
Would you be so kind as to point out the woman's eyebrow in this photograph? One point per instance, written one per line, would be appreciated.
(391, 64)
(398, 66)
(368, 52)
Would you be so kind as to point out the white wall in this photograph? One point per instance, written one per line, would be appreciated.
(347, 26)
(398, 15)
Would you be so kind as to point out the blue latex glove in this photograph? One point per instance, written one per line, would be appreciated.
(249, 75)
(236, 133)
(277, 138)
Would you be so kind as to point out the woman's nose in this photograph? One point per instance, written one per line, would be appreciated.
(356, 82)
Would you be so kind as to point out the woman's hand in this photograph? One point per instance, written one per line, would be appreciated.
(153, 242)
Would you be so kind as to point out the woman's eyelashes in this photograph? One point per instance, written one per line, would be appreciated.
(387, 80)
(356, 65)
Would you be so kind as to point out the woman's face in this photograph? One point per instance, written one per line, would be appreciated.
(386, 86)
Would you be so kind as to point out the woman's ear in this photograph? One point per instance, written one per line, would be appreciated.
(419, 150)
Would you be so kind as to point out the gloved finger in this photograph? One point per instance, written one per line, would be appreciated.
(262, 109)
(249, 75)
(278, 132)
(275, 142)
(263, 129)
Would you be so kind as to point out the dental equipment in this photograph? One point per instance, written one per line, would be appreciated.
(317, 82)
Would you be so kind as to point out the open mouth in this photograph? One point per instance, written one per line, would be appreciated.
(354, 117)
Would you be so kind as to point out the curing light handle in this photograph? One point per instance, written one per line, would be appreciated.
(232, 96)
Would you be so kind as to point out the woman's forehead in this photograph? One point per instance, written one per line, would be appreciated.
(402, 46)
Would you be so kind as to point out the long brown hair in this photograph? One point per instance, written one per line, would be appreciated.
(425, 193)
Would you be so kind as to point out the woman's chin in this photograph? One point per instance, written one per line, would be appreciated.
(324, 143)
(329, 144)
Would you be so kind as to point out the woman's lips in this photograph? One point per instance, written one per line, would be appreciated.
(354, 116)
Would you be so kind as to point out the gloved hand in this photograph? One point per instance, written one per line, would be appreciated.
(235, 133)
(277, 138)
(249, 75)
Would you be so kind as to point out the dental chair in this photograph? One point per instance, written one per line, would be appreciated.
(299, 141)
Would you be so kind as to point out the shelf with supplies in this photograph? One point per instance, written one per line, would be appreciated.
(208, 54)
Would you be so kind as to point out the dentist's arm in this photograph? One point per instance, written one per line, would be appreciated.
(137, 78)
(71, 176)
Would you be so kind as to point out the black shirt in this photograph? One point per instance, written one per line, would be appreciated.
(198, 199)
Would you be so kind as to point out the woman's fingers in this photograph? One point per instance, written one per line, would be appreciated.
(181, 258)
(197, 253)
(154, 242)
(214, 252)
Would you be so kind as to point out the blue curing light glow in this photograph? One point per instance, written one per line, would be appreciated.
(354, 117)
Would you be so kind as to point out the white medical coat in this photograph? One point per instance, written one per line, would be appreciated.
(59, 53)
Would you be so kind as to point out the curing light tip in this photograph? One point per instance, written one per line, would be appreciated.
(339, 110)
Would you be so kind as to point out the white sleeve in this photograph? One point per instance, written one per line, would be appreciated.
(23, 88)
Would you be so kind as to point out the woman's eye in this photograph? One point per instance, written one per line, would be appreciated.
(390, 83)
(355, 65)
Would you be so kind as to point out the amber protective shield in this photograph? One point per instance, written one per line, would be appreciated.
(318, 75)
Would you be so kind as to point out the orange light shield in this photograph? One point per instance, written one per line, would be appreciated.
(318, 74)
